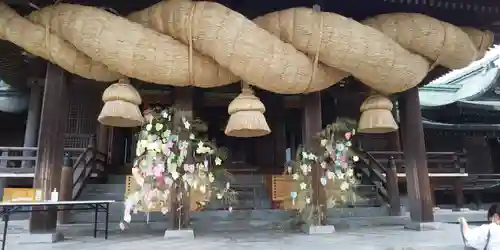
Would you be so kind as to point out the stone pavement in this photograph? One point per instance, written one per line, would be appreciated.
(139, 237)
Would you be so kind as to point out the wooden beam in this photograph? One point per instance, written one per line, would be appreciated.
(50, 145)
(417, 173)
(311, 126)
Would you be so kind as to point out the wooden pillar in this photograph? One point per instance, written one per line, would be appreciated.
(394, 144)
(458, 185)
(32, 122)
(278, 130)
(274, 145)
(102, 139)
(50, 145)
(183, 102)
(311, 125)
(66, 191)
(392, 183)
(417, 174)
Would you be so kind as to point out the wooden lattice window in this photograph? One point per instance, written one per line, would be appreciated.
(83, 108)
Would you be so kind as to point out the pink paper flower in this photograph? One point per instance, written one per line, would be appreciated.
(167, 146)
(158, 170)
(348, 135)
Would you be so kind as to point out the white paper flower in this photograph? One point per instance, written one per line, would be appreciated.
(139, 150)
(127, 218)
(164, 210)
(344, 186)
(158, 126)
(200, 147)
(211, 177)
(218, 161)
(187, 125)
(175, 175)
(191, 136)
(164, 114)
(155, 146)
(311, 157)
(304, 168)
(349, 172)
(304, 155)
(295, 176)
(308, 200)
(330, 175)
(149, 127)
(323, 164)
(355, 158)
(303, 186)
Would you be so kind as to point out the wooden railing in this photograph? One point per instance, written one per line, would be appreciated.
(437, 162)
(383, 178)
(20, 162)
(89, 162)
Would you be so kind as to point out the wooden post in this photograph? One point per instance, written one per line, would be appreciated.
(32, 122)
(50, 145)
(432, 187)
(311, 126)
(66, 192)
(417, 173)
(275, 114)
(392, 184)
(183, 102)
(278, 131)
(102, 139)
(458, 185)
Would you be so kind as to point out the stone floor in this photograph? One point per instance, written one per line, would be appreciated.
(148, 237)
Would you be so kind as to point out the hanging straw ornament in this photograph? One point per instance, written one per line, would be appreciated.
(121, 105)
(376, 116)
(246, 115)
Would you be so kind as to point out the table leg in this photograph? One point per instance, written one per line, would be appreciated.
(96, 213)
(5, 227)
(106, 221)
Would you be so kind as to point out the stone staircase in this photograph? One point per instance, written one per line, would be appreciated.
(251, 211)
(251, 195)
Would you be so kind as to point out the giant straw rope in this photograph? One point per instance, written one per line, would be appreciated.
(205, 44)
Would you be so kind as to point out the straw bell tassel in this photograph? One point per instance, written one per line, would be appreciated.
(376, 116)
(246, 115)
(121, 105)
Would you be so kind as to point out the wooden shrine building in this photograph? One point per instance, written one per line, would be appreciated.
(47, 111)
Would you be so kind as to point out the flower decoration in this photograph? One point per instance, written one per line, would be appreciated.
(336, 161)
(170, 157)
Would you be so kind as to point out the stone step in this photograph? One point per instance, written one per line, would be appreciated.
(116, 214)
